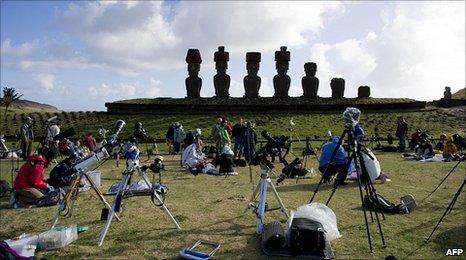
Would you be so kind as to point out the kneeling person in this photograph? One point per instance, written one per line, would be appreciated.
(30, 185)
(338, 166)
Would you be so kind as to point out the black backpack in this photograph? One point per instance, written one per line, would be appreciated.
(379, 203)
(306, 237)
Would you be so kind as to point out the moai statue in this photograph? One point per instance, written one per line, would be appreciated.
(309, 82)
(221, 79)
(193, 82)
(364, 92)
(447, 93)
(281, 81)
(252, 82)
(338, 87)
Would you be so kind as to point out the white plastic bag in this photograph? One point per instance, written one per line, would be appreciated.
(372, 165)
(320, 213)
(58, 237)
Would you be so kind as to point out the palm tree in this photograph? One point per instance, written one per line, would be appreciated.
(9, 97)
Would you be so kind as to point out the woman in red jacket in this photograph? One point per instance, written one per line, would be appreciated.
(30, 183)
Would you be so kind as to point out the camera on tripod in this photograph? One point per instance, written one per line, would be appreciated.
(292, 170)
(351, 116)
(272, 148)
(156, 167)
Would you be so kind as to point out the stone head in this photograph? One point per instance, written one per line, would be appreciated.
(282, 67)
(252, 62)
(193, 69)
(221, 67)
(310, 68)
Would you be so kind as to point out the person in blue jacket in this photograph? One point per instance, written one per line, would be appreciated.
(338, 166)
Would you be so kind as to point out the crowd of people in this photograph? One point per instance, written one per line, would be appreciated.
(195, 156)
(232, 144)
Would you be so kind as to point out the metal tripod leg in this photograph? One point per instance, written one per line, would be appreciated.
(282, 206)
(253, 197)
(120, 194)
(146, 180)
(100, 195)
(261, 207)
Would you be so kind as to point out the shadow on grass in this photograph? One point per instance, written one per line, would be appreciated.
(311, 187)
(451, 238)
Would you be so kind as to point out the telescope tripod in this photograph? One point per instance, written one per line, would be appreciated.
(261, 192)
(124, 191)
(364, 181)
(66, 204)
(453, 201)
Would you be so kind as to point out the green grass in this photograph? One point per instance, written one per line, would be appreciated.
(212, 208)
(435, 120)
(460, 94)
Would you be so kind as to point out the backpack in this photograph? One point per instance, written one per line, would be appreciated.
(306, 237)
(407, 204)
(49, 199)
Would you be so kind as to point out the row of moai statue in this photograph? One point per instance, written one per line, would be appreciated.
(252, 82)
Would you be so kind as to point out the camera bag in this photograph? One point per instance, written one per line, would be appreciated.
(306, 237)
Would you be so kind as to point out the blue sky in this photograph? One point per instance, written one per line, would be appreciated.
(79, 55)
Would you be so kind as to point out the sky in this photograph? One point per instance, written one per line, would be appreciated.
(78, 55)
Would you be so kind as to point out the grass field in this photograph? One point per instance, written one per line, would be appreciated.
(212, 208)
(315, 124)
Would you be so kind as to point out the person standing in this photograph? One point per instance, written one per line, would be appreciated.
(27, 137)
(90, 142)
(215, 133)
(169, 136)
(401, 133)
(237, 132)
(249, 140)
(224, 136)
(178, 137)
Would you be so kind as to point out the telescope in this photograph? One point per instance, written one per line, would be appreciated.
(91, 159)
(116, 131)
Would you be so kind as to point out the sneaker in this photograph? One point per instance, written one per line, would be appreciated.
(13, 200)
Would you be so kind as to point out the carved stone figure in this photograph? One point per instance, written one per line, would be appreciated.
(252, 82)
(221, 79)
(281, 81)
(447, 93)
(193, 82)
(364, 92)
(338, 87)
(309, 82)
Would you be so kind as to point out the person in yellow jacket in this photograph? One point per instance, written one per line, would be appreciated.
(449, 150)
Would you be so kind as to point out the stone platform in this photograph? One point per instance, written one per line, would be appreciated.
(253, 105)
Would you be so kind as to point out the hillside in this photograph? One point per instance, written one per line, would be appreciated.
(27, 106)
(460, 94)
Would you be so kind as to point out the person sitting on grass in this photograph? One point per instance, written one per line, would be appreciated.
(450, 150)
(441, 143)
(424, 149)
(338, 166)
(30, 185)
(415, 138)
(226, 161)
(196, 162)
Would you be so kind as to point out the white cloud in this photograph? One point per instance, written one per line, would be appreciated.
(111, 92)
(46, 81)
(136, 35)
(21, 50)
(419, 50)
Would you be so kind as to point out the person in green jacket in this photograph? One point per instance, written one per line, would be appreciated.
(224, 136)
